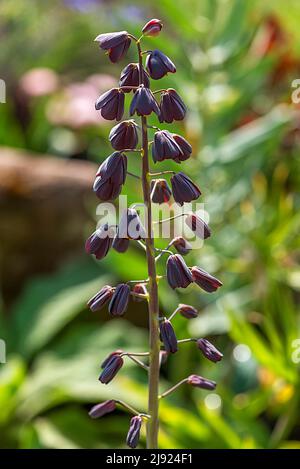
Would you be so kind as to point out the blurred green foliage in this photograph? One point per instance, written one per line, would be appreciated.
(235, 62)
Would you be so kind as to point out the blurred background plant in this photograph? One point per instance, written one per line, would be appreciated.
(236, 62)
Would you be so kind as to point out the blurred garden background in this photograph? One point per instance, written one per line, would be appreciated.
(236, 60)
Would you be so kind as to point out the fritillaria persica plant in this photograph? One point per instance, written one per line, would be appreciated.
(109, 181)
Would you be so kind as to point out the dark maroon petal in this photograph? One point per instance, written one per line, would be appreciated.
(164, 147)
(168, 337)
(111, 369)
(152, 28)
(158, 65)
(178, 274)
(183, 188)
(109, 40)
(106, 190)
(102, 409)
(133, 435)
(119, 302)
(204, 280)
(198, 226)
(171, 106)
(160, 191)
(101, 298)
(108, 359)
(200, 382)
(114, 168)
(99, 242)
(143, 102)
(124, 135)
(116, 53)
(185, 147)
(182, 245)
(120, 244)
(130, 77)
(106, 98)
(187, 311)
(209, 350)
(111, 104)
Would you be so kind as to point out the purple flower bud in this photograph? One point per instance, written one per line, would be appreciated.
(130, 77)
(143, 102)
(114, 168)
(200, 382)
(158, 65)
(100, 242)
(133, 435)
(118, 303)
(116, 44)
(196, 224)
(102, 409)
(140, 289)
(185, 147)
(164, 147)
(101, 298)
(204, 280)
(171, 107)
(108, 359)
(168, 337)
(178, 274)
(111, 176)
(124, 135)
(111, 369)
(187, 311)
(184, 190)
(131, 226)
(209, 350)
(111, 104)
(152, 28)
(120, 244)
(182, 245)
(160, 191)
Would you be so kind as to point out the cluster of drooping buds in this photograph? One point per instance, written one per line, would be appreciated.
(109, 180)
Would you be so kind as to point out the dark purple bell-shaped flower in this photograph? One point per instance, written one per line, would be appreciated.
(183, 188)
(178, 274)
(116, 44)
(209, 350)
(198, 226)
(204, 280)
(171, 107)
(139, 289)
(133, 435)
(111, 369)
(200, 382)
(101, 298)
(119, 302)
(164, 147)
(130, 225)
(185, 147)
(124, 135)
(182, 245)
(111, 176)
(160, 191)
(130, 77)
(152, 28)
(102, 409)
(111, 104)
(187, 311)
(120, 244)
(168, 337)
(158, 65)
(108, 359)
(100, 242)
(143, 102)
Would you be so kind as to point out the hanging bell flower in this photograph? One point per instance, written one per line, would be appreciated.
(198, 226)
(172, 108)
(204, 280)
(124, 135)
(99, 242)
(160, 191)
(182, 245)
(164, 147)
(209, 350)
(187, 311)
(184, 189)
(130, 76)
(119, 302)
(168, 337)
(101, 298)
(116, 44)
(102, 409)
(133, 435)
(178, 274)
(111, 104)
(111, 369)
(158, 65)
(143, 102)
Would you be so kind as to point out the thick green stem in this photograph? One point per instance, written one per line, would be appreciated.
(153, 304)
